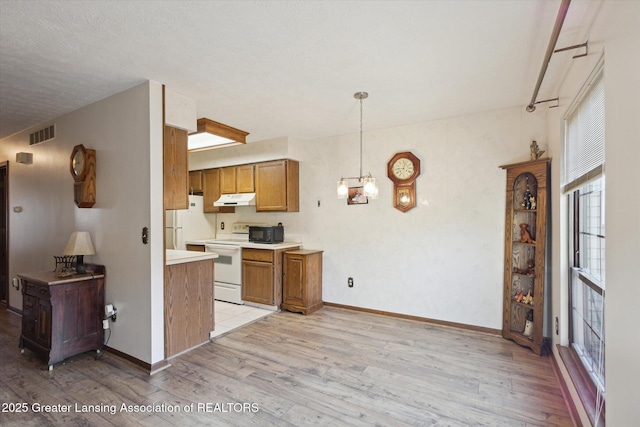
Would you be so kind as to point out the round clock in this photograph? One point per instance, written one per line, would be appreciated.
(403, 169)
(78, 162)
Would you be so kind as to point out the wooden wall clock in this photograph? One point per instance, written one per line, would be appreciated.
(83, 170)
(403, 169)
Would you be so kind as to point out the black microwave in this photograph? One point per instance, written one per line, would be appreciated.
(266, 234)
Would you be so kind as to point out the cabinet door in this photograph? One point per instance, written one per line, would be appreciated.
(244, 179)
(43, 323)
(257, 282)
(277, 186)
(228, 180)
(293, 286)
(195, 182)
(211, 191)
(29, 316)
(176, 169)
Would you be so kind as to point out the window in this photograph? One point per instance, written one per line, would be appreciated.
(584, 184)
(587, 279)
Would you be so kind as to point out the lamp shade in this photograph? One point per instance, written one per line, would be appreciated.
(79, 244)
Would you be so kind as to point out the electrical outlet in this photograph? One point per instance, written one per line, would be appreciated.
(557, 327)
(350, 282)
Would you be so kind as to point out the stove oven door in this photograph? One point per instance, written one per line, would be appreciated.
(227, 272)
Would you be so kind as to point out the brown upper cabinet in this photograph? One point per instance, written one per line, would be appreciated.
(237, 179)
(277, 186)
(228, 180)
(211, 191)
(195, 182)
(176, 168)
(245, 179)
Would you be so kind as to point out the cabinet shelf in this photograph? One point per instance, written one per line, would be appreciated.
(521, 304)
(515, 242)
(526, 276)
(527, 182)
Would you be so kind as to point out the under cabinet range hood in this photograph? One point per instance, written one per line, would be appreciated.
(240, 199)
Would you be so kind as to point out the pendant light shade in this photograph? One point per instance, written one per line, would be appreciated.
(370, 187)
(343, 188)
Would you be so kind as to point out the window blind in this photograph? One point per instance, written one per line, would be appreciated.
(584, 134)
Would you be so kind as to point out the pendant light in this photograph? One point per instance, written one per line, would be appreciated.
(368, 182)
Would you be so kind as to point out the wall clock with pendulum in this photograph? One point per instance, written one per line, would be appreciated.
(403, 169)
(83, 170)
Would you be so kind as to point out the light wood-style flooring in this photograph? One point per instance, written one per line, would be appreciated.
(335, 367)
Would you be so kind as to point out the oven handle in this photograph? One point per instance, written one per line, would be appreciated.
(228, 249)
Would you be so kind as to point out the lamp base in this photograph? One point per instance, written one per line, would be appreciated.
(80, 268)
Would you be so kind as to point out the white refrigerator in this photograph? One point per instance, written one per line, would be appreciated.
(189, 224)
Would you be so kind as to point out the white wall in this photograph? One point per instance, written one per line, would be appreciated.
(120, 129)
(441, 260)
(613, 28)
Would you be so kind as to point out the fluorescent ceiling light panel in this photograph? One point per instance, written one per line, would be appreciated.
(212, 134)
(199, 141)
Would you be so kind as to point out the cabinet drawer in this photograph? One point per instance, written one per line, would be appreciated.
(264, 255)
(41, 291)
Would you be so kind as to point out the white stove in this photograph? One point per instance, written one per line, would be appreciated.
(228, 265)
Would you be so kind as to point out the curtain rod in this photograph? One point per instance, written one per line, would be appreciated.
(562, 13)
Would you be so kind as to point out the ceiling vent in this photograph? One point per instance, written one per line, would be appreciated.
(42, 135)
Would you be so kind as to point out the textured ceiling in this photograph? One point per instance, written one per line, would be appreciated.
(286, 68)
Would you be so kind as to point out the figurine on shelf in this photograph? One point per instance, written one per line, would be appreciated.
(525, 236)
(528, 299)
(519, 296)
(535, 151)
(528, 329)
(531, 268)
(526, 203)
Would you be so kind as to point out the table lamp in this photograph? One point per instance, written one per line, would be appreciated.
(79, 245)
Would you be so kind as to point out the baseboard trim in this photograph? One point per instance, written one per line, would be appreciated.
(14, 310)
(149, 368)
(418, 318)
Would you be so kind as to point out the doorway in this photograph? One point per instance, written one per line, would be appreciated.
(4, 233)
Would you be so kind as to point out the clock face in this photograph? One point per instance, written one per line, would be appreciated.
(403, 168)
(78, 162)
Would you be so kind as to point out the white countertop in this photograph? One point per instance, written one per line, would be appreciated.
(179, 257)
(272, 246)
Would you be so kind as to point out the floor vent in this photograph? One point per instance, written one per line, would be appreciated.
(42, 135)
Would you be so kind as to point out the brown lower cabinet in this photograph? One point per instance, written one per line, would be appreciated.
(188, 305)
(62, 317)
(302, 281)
(262, 275)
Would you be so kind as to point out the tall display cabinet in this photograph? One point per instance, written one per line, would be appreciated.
(525, 252)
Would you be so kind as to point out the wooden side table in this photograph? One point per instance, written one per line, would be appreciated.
(62, 317)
